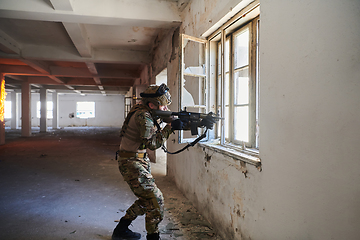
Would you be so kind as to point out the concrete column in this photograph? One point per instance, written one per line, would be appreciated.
(43, 109)
(14, 113)
(2, 108)
(25, 109)
(55, 121)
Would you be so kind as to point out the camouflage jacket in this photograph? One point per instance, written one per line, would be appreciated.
(140, 132)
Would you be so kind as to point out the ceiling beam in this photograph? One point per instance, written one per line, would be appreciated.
(19, 70)
(141, 13)
(16, 77)
(41, 80)
(62, 5)
(111, 82)
(82, 72)
(79, 37)
(82, 82)
(8, 44)
(37, 65)
(56, 71)
(42, 68)
(9, 85)
(54, 53)
(92, 69)
(72, 88)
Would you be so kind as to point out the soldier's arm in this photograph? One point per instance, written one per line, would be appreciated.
(151, 139)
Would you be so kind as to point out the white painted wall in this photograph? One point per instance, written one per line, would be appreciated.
(309, 116)
(109, 110)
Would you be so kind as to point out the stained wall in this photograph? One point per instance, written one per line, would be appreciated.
(309, 112)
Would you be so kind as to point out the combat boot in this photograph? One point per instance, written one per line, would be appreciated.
(153, 236)
(122, 232)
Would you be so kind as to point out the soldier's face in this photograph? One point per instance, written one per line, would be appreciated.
(163, 108)
(160, 107)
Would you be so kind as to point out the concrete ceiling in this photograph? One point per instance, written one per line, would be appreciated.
(81, 46)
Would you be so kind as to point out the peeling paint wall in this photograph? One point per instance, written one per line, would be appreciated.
(310, 84)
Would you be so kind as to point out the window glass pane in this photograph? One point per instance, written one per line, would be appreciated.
(193, 91)
(227, 89)
(193, 86)
(227, 55)
(241, 128)
(85, 109)
(38, 109)
(7, 109)
(241, 80)
(226, 122)
(190, 92)
(49, 109)
(218, 96)
(219, 59)
(241, 49)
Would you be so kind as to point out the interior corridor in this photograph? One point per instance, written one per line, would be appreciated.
(65, 184)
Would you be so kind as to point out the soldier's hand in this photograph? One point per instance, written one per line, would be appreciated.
(208, 121)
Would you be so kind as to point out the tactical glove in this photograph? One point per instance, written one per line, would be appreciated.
(208, 121)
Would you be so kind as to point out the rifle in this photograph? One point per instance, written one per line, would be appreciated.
(193, 121)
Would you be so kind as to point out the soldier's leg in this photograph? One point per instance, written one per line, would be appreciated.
(150, 200)
(131, 171)
(122, 231)
(155, 213)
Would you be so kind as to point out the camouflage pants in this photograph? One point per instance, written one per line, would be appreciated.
(137, 174)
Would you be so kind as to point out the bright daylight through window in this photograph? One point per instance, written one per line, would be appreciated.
(223, 78)
(7, 109)
(238, 90)
(85, 109)
(49, 109)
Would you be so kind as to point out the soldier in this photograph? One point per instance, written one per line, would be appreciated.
(139, 132)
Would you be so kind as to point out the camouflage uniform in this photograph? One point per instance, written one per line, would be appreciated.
(138, 134)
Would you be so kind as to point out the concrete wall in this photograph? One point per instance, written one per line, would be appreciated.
(309, 134)
(109, 110)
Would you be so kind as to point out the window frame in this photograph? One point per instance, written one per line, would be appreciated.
(249, 147)
(247, 152)
(199, 71)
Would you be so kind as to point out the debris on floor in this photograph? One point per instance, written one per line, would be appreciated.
(184, 221)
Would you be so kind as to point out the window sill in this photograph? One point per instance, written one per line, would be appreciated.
(250, 157)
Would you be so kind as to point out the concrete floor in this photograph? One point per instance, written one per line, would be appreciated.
(65, 184)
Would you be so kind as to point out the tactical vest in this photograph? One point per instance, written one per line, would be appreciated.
(126, 130)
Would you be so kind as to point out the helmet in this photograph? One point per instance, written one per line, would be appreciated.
(158, 95)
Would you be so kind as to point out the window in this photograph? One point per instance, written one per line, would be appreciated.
(237, 91)
(240, 84)
(235, 51)
(85, 109)
(49, 109)
(193, 81)
(7, 110)
(231, 83)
